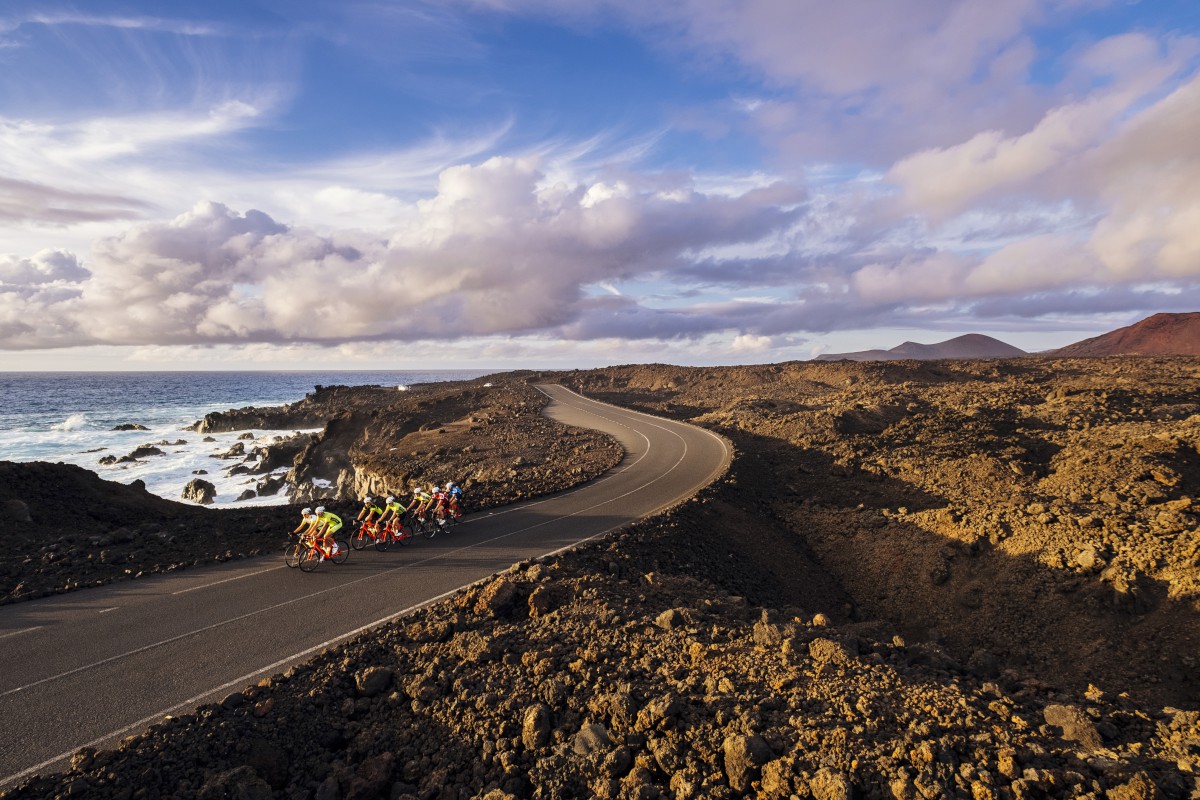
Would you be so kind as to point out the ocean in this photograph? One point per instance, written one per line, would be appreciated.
(69, 417)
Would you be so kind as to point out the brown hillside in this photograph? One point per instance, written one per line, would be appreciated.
(1159, 335)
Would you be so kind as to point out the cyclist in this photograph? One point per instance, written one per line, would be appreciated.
(370, 510)
(454, 499)
(420, 502)
(328, 524)
(308, 520)
(438, 503)
(392, 512)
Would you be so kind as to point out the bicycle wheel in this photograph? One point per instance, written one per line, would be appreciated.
(291, 556)
(310, 559)
(382, 540)
(359, 539)
(341, 553)
(403, 536)
(428, 528)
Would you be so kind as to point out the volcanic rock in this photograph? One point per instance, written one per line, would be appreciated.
(199, 491)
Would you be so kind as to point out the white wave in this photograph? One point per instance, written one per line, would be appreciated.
(75, 422)
(402, 388)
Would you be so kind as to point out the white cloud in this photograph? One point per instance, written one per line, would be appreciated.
(46, 267)
(489, 254)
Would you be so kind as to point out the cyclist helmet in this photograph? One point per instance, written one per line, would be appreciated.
(320, 510)
(416, 490)
(306, 512)
(391, 499)
(366, 501)
(449, 485)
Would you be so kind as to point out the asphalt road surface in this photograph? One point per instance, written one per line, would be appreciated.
(91, 667)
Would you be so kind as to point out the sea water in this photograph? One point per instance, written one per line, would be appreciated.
(69, 417)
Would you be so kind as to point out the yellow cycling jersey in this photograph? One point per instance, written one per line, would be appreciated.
(333, 519)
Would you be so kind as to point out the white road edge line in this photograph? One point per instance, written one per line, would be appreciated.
(106, 610)
(19, 632)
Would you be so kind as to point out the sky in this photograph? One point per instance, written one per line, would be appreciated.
(367, 184)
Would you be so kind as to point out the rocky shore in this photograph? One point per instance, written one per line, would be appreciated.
(64, 528)
(917, 580)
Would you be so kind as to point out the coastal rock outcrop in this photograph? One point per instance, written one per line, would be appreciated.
(199, 491)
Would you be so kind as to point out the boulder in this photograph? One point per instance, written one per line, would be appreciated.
(1076, 726)
(372, 778)
(744, 758)
(130, 426)
(829, 784)
(373, 681)
(535, 727)
(591, 737)
(242, 783)
(671, 618)
(497, 598)
(199, 491)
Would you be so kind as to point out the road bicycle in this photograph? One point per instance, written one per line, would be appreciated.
(369, 532)
(321, 551)
(424, 526)
(295, 551)
(395, 531)
(445, 521)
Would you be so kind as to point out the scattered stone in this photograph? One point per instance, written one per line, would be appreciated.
(744, 756)
(497, 598)
(373, 681)
(241, 783)
(1075, 724)
(671, 619)
(535, 727)
(591, 737)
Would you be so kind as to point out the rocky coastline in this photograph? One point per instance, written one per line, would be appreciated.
(66, 529)
(917, 580)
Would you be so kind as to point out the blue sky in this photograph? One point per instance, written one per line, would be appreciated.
(581, 182)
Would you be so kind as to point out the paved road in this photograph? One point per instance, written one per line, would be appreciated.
(88, 668)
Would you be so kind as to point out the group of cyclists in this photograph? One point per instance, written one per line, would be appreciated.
(435, 506)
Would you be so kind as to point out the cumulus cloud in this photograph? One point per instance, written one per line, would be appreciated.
(46, 267)
(496, 251)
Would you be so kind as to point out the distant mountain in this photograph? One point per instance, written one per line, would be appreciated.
(971, 345)
(1159, 335)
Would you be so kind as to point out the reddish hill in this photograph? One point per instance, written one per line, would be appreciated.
(971, 345)
(1159, 335)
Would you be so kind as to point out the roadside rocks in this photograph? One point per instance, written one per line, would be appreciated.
(712, 652)
(599, 700)
(1029, 509)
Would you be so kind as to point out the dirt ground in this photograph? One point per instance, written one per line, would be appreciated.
(917, 580)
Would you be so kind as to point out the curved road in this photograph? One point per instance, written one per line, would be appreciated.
(88, 668)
